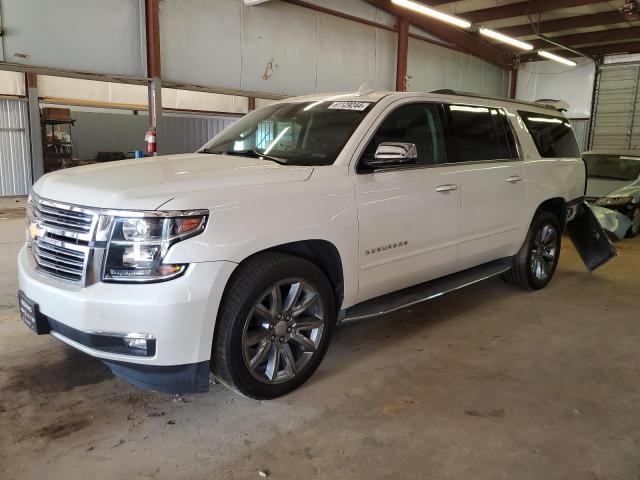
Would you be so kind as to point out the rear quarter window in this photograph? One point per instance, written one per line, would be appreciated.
(553, 136)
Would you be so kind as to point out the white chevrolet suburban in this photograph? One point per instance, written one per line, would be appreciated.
(240, 259)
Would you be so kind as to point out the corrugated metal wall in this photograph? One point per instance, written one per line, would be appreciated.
(581, 129)
(182, 134)
(15, 154)
(96, 132)
(616, 113)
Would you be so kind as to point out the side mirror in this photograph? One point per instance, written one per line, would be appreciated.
(390, 154)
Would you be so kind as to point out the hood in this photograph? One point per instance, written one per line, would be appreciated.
(599, 187)
(145, 184)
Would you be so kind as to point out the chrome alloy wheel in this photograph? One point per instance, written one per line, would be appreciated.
(283, 331)
(544, 251)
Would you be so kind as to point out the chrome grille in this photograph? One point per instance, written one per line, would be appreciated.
(61, 218)
(60, 261)
(60, 238)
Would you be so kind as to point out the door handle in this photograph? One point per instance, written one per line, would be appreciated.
(446, 188)
(514, 179)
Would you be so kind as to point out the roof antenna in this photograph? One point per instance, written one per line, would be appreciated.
(364, 90)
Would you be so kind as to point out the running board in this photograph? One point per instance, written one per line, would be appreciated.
(411, 296)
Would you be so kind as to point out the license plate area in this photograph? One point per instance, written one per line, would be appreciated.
(31, 316)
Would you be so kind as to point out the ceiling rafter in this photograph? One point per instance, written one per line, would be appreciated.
(551, 26)
(602, 36)
(530, 7)
(464, 40)
(592, 51)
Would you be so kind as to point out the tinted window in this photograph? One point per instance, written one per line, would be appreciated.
(479, 133)
(553, 136)
(417, 123)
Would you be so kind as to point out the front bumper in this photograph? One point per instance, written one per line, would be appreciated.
(180, 314)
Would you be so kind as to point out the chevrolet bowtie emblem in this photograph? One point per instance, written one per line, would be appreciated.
(35, 231)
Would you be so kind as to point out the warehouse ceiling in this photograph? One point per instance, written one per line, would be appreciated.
(591, 27)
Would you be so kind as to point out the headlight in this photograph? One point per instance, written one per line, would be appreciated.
(614, 202)
(138, 246)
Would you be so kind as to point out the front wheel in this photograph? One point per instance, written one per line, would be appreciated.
(536, 262)
(274, 326)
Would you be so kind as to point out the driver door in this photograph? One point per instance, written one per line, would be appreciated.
(408, 215)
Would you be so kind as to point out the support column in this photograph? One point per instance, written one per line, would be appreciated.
(403, 52)
(35, 127)
(252, 104)
(513, 83)
(154, 73)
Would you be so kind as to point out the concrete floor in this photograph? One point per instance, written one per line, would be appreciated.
(486, 383)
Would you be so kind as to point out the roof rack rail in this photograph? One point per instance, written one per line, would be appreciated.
(539, 103)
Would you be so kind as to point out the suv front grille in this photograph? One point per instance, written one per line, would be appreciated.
(62, 219)
(60, 239)
(59, 260)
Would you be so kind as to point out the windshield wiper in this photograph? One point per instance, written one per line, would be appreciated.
(253, 153)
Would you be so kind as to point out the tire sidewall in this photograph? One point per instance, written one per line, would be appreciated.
(542, 218)
(242, 377)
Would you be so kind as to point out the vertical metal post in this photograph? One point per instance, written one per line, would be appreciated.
(403, 53)
(152, 23)
(155, 109)
(35, 126)
(513, 83)
(252, 104)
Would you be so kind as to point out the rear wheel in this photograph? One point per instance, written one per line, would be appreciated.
(536, 262)
(635, 222)
(274, 326)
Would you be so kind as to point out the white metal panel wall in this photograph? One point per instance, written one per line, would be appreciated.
(15, 156)
(102, 36)
(280, 48)
(275, 47)
(432, 67)
(616, 116)
(574, 85)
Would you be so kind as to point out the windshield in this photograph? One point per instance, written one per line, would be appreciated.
(612, 167)
(310, 133)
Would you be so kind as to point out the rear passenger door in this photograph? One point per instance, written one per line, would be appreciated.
(483, 145)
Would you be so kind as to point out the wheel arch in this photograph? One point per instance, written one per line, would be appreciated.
(556, 206)
(322, 253)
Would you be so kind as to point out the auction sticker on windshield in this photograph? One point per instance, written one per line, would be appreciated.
(359, 106)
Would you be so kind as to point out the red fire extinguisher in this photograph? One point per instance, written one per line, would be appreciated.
(150, 138)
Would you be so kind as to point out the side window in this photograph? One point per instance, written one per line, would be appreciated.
(479, 133)
(417, 123)
(553, 136)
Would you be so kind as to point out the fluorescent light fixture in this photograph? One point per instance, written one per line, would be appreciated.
(556, 58)
(505, 39)
(430, 12)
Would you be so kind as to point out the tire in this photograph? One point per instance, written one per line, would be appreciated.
(635, 219)
(536, 262)
(261, 348)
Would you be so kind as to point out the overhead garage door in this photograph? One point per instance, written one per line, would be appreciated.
(616, 117)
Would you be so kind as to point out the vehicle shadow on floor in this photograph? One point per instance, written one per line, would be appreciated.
(67, 370)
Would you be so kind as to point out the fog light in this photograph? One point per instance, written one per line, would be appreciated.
(137, 343)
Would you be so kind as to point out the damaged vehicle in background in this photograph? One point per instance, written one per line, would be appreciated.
(613, 189)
